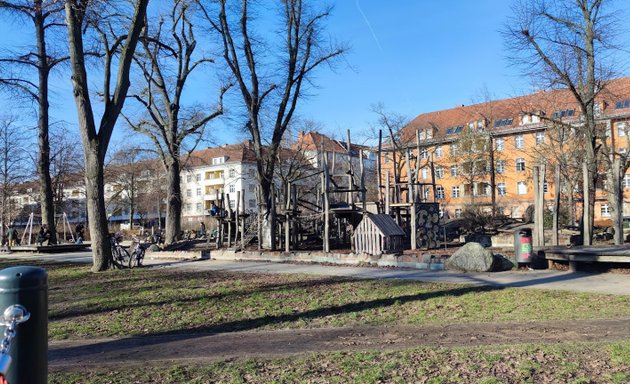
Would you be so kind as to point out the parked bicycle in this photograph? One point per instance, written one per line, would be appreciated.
(137, 255)
(120, 256)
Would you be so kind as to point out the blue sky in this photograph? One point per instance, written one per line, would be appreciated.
(412, 56)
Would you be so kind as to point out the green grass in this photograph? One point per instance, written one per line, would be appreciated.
(145, 301)
(517, 364)
(158, 301)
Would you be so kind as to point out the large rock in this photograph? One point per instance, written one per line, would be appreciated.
(472, 257)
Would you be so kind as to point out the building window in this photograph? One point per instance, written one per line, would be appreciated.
(439, 172)
(198, 191)
(198, 207)
(425, 193)
(563, 113)
(455, 192)
(540, 138)
(252, 172)
(622, 104)
(424, 172)
(487, 190)
(520, 164)
(232, 173)
(424, 153)
(626, 182)
(502, 123)
(454, 170)
(545, 187)
(251, 187)
(458, 213)
(622, 129)
(500, 167)
(188, 178)
(218, 160)
(232, 188)
(439, 193)
(252, 203)
(521, 188)
(188, 207)
(605, 210)
(198, 177)
(232, 204)
(499, 144)
(145, 173)
(519, 142)
(454, 150)
(189, 192)
(501, 189)
(439, 152)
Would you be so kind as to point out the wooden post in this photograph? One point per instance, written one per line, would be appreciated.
(325, 188)
(387, 193)
(379, 171)
(228, 206)
(617, 209)
(362, 170)
(258, 217)
(243, 222)
(412, 200)
(556, 207)
(287, 224)
(237, 218)
(540, 222)
(350, 170)
(535, 233)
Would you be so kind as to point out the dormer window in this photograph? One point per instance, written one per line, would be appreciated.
(620, 104)
(503, 122)
(218, 160)
(563, 113)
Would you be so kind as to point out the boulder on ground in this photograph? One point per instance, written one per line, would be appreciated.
(472, 257)
(502, 263)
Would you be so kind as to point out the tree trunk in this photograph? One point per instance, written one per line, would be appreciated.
(615, 196)
(101, 250)
(268, 223)
(43, 160)
(173, 203)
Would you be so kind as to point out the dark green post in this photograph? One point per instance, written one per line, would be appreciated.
(27, 286)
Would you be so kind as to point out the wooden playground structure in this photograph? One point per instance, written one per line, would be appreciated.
(325, 214)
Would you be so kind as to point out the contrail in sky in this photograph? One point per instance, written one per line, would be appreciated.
(369, 25)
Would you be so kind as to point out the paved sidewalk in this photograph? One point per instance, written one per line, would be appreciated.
(610, 283)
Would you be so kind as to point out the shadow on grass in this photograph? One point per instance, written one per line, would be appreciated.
(125, 345)
(82, 311)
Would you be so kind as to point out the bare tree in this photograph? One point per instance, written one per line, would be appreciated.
(564, 43)
(14, 167)
(117, 51)
(27, 74)
(271, 85)
(167, 59)
(66, 170)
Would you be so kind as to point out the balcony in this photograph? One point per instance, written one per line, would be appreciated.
(215, 181)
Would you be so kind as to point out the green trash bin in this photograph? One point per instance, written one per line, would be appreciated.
(28, 287)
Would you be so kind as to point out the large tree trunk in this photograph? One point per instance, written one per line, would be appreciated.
(173, 203)
(268, 222)
(101, 250)
(43, 160)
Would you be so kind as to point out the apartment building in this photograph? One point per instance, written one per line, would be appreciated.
(486, 152)
(211, 174)
(311, 144)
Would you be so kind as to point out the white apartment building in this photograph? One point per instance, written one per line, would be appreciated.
(213, 174)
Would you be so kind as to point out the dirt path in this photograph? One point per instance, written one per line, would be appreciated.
(209, 347)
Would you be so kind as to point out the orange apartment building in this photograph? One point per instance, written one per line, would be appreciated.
(464, 148)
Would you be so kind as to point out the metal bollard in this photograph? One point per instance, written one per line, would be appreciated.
(28, 287)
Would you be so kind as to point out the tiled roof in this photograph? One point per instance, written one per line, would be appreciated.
(243, 152)
(314, 141)
(444, 123)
